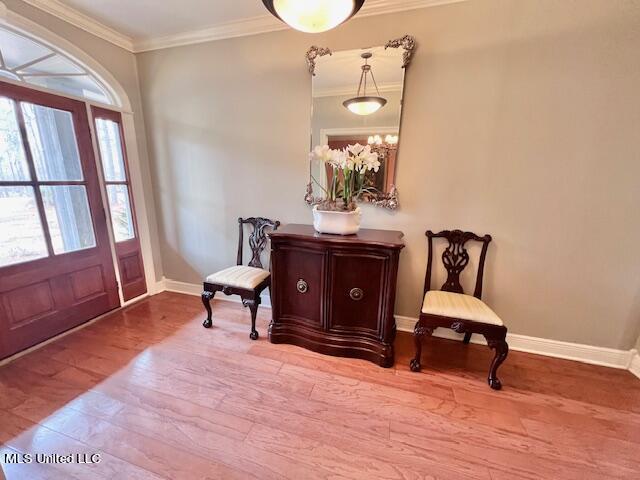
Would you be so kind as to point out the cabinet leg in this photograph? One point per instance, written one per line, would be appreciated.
(467, 337)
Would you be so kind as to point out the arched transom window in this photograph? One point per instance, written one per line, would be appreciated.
(26, 60)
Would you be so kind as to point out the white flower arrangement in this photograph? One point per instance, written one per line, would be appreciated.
(350, 166)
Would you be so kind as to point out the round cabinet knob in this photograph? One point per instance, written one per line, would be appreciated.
(302, 286)
(356, 294)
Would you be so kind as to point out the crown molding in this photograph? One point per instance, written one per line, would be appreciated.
(381, 7)
(344, 91)
(82, 21)
(239, 28)
(268, 23)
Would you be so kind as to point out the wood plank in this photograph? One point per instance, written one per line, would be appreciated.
(160, 397)
(32, 437)
(165, 460)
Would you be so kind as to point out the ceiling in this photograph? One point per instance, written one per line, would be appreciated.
(339, 73)
(141, 25)
(142, 19)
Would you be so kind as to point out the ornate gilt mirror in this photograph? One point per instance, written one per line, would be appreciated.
(357, 97)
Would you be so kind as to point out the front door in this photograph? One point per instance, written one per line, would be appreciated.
(56, 267)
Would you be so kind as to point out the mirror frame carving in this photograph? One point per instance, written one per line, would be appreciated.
(388, 199)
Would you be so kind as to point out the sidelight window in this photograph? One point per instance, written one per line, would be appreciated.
(114, 167)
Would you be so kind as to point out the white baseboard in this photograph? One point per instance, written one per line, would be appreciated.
(634, 366)
(196, 289)
(608, 357)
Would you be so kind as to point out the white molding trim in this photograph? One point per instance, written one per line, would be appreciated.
(634, 366)
(222, 31)
(196, 290)
(82, 21)
(146, 231)
(238, 28)
(350, 91)
(268, 23)
(381, 7)
(607, 357)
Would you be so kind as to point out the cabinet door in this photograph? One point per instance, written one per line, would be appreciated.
(357, 292)
(299, 285)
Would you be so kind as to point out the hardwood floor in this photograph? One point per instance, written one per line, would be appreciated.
(158, 396)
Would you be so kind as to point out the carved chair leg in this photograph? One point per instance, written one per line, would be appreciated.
(206, 301)
(419, 333)
(467, 338)
(502, 350)
(253, 306)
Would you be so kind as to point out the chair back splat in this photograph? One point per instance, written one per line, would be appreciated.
(455, 259)
(257, 238)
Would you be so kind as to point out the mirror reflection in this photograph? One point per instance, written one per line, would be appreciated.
(357, 99)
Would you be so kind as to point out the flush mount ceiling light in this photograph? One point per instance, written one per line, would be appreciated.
(313, 16)
(365, 104)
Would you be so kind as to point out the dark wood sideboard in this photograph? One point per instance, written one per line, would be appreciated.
(335, 294)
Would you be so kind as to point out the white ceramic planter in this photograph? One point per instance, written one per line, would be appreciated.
(337, 223)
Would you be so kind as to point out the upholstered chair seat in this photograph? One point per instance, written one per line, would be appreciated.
(460, 306)
(239, 276)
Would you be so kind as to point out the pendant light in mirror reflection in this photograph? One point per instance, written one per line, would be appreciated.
(363, 104)
(313, 16)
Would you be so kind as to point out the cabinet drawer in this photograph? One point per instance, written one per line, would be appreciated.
(299, 284)
(357, 287)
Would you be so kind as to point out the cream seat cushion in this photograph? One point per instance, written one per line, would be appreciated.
(458, 305)
(239, 276)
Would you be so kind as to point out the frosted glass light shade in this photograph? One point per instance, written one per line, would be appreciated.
(313, 16)
(365, 105)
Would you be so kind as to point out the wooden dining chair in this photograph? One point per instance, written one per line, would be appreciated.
(246, 281)
(449, 307)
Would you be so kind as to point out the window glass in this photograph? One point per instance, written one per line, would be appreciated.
(108, 133)
(121, 217)
(68, 217)
(52, 141)
(21, 235)
(26, 60)
(55, 65)
(76, 85)
(18, 50)
(13, 164)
